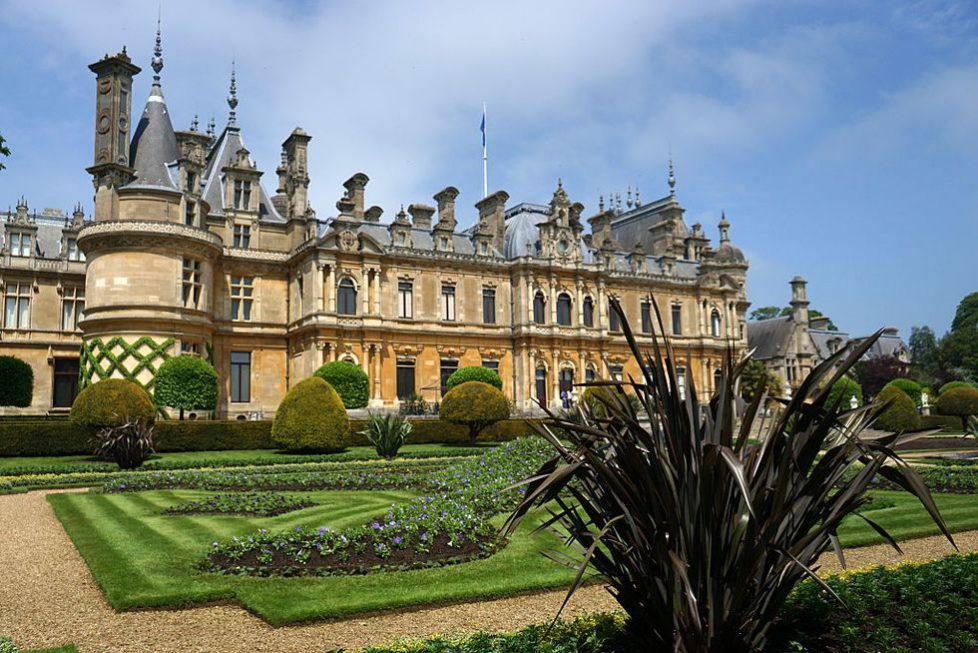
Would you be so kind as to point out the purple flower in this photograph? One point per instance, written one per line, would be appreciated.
(397, 540)
(377, 526)
(322, 530)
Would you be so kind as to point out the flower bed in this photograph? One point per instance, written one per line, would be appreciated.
(449, 524)
(252, 504)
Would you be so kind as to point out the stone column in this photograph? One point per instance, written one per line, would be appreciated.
(376, 399)
(318, 288)
(554, 378)
(331, 287)
(553, 299)
(365, 290)
(602, 307)
(376, 310)
(579, 307)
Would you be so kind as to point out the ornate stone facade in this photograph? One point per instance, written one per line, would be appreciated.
(187, 252)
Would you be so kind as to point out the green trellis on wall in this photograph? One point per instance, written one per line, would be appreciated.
(103, 359)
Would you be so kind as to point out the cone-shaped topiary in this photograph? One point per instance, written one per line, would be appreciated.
(902, 413)
(311, 416)
(474, 373)
(843, 391)
(909, 386)
(112, 402)
(475, 405)
(16, 382)
(187, 383)
(961, 402)
(349, 381)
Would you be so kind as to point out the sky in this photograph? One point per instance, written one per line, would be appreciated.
(840, 138)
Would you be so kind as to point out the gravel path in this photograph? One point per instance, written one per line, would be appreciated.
(48, 598)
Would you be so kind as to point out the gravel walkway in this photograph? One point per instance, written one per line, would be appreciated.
(48, 598)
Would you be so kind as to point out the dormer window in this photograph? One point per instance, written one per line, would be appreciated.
(191, 182)
(483, 249)
(443, 243)
(20, 244)
(74, 254)
(188, 217)
(242, 236)
(242, 194)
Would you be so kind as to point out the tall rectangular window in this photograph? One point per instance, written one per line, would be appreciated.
(65, 382)
(614, 323)
(242, 236)
(72, 305)
(242, 194)
(646, 317)
(188, 216)
(74, 254)
(588, 312)
(191, 182)
(681, 381)
(242, 294)
(448, 367)
(488, 305)
(246, 199)
(20, 244)
(17, 306)
(405, 299)
(677, 319)
(405, 379)
(240, 376)
(448, 302)
(192, 283)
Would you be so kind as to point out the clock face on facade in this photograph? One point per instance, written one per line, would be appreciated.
(563, 246)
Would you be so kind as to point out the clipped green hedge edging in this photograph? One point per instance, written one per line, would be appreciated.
(48, 437)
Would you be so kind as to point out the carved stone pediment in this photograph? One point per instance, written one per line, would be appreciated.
(348, 241)
(451, 350)
(409, 350)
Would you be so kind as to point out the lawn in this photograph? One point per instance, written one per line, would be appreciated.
(141, 558)
(908, 519)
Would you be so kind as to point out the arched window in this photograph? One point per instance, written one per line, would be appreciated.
(563, 309)
(541, 385)
(588, 312)
(590, 374)
(715, 323)
(346, 297)
(717, 375)
(565, 381)
(539, 309)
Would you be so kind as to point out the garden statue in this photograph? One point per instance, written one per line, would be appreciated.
(924, 404)
(853, 402)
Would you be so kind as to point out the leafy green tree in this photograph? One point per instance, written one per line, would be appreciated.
(187, 383)
(474, 373)
(348, 380)
(4, 150)
(966, 317)
(754, 377)
(765, 313)
(923, 350)
(311, 416)
(875, 373)
(959, 351)
(843, 391)
(16, 382)
(475, 405)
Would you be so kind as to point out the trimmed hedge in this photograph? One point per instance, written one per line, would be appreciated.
(48, 437)
(349, 381)
(951, 385)
(960, 402)
(186, 383)
(112, 402)
(901, 414)
(843, 391)
(909, 386)
(16, 382)
(947, 422)
(312, 417)
(474, 373)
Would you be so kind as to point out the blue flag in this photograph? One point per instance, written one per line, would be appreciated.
(483, 127)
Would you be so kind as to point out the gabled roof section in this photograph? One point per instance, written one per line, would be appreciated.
(769, 338)
(222, 155)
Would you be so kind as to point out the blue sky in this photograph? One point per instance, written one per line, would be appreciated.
(840, 138)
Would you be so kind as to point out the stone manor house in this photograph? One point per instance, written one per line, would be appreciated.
(187, 252)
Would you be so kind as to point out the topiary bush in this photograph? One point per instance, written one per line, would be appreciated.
(311, 416)
(16, 382)
(112, 402)
(951, 385)
(187, 383)
(474, 373)
(901, 414)
(960, 402)
(474, 405)
(349, 381)
(909, 386)
(843, 391)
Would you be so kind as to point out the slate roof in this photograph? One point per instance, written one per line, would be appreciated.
(221, 155)
(48, 236)
(769, 338)
(154, 145)
(823, 339)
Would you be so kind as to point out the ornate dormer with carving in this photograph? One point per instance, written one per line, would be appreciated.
(444, 230)
(560, 236)
(400, 230)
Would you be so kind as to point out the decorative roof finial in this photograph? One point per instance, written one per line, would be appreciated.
(724, 227)
(672, 178)
(560, 183)
(638, 202)
(601, 203)
(194, 123)
(233, 99)
(210, 127)
(157, 62)
(628, 202)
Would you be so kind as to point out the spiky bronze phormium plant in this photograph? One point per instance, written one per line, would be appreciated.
(699, 532)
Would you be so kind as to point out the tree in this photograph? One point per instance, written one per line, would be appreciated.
(875, 373)
(966, 317)
(475, 405)
(187, 383)
(349, 381)
(4, 150)
(923, 349)
(960, 402)
(474, 373)
(311, 416)
(755, 376)
(900, 414)
(16, 382)
(765, 313)
(959, 351)
(843, 392)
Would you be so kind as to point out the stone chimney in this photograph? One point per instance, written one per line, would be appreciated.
(354, 191)
(421, 215)
(492, 212)
(799, 301)
(446, 207)
(295, 151)
(373, 214)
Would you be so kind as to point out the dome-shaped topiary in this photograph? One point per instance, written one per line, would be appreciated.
(961, 402)
(349, 381)
(909, 386)
(951, 385)
(112, 402)
(474, 373)
(16, 382)
(843, 391)
(311, 416)
(475, 405)
(901, 415)
(187, 383)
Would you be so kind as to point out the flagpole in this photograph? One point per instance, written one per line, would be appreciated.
(485, 158)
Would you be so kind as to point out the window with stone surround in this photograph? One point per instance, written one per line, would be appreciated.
(488, 305)
(563, 309)
(20, 243)
(614, 322)
(72, 305)
(74, 254)
(588, 312)
(539, 309)
(346, 297)
(242, 295)
(242, 236)
(17, 305)
(192, 283)
(242, 194)
(677, 319)
(405, 378)
(448, 367)
(405, 299)
(646, 316)
(448, 302)
(240, 376)
(715, 323)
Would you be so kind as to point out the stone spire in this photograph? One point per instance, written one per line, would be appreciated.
(157, 62)
(724, 228)
(232, 99)
(154, 143)
(672, 179)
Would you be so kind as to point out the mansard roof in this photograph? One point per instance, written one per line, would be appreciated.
(50, 226)
(222, 155)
